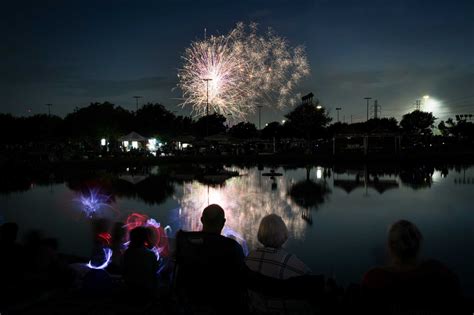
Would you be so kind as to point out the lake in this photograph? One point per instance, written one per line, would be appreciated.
(337, 215)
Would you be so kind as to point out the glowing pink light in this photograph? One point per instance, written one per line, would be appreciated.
(159, 242)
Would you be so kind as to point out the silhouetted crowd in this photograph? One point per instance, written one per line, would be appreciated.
(207, 273)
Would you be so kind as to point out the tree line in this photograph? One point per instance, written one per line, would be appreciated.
(306, 121)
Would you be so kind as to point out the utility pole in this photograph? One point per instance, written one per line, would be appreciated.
(259, 117)
(338, 109)
(49, 109)
(136, 98)
(418, 105)
(351, 119)
(367, 98)
(376, 109)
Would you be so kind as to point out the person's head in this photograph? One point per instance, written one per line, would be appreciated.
(272, 231)
(404, 242)
(213, 219)
(119, 233)
(9, 232)
(138, 237)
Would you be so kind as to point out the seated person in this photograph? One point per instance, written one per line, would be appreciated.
(273, 261)
(12, 263)
(139, 263)
(408, 283)
(210, 267)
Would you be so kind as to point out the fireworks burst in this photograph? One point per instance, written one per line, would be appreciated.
(240, 70)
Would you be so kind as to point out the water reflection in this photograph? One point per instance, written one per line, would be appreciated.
(153, 189)
(362, 178)
(248, 198)
(308, 194)
(417, 177)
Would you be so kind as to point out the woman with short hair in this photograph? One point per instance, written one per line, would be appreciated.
(273, 261)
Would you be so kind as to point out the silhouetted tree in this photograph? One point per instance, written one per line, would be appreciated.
(154, 119)
(307, 120)
(460, 129)
(98, 120)
(214, 123)
(272, 130)
(418, 123)
(382, 125)
(243, 130)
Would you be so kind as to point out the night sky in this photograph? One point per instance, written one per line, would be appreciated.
(71, 53)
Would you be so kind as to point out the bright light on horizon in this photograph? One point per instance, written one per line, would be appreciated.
(432, 105)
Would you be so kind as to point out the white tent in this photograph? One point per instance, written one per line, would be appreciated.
(133, 136)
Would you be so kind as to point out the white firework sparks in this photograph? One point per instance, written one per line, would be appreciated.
(240, 70)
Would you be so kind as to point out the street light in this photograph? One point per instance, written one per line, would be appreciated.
(136, 97)
(338, 109)
(319, 107)
(367, 98)
(49, 108)
(207, 104)
(259, 117)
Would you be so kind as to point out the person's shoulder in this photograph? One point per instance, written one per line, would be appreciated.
(437, 268)
(297, 263)
(434, 265)
(375, 278)
(228, 242)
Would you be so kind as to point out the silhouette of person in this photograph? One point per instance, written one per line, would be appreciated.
(140, 264)
(12, 261)
(273, 261)
(408, 283)
(209, 260)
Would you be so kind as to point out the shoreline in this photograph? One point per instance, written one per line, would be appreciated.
(265, 159)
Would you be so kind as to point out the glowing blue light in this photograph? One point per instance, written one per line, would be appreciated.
(156, 251)
(152, 222)
(107, 256)
(93, 202)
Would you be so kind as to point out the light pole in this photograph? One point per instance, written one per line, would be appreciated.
(338, 109)
(367, 98)
(207, 104)
(49, 108)
(136, 98)
(259, 117)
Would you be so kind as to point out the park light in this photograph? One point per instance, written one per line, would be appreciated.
(283, 121)
(319, 107)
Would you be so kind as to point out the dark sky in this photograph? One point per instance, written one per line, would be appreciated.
(71, 53)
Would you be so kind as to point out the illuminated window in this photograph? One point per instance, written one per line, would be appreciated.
(125, 143)
(135, 144)
(103, 142)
